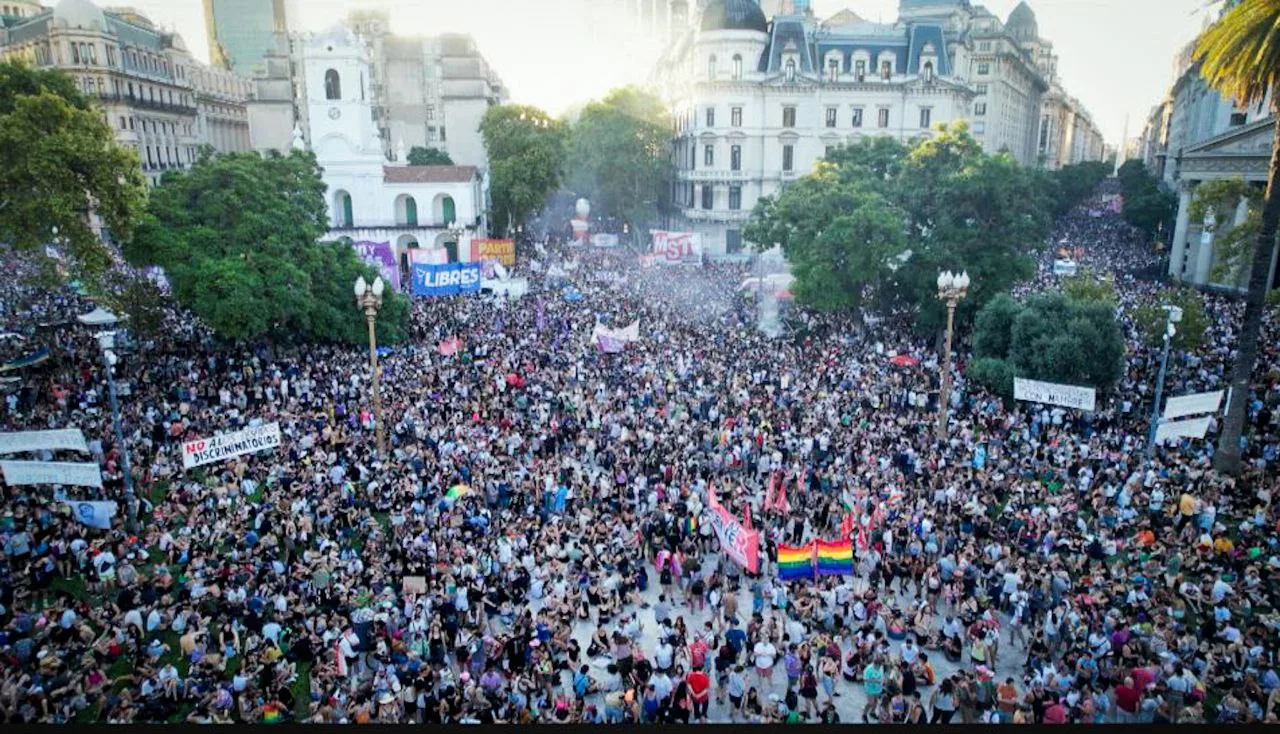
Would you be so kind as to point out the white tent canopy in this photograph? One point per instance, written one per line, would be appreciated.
(98, 317)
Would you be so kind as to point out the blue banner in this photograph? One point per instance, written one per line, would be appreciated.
(445, 280)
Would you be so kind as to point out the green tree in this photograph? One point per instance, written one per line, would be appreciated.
(1240, 57)
(839, 238)
(60, 164)
(1075, 183)
(618, 156)
(1086, 286)
(875, 159)
(1050, 337)
(1150, 319)
(993, 327)
(1232, 243)
(526, 150)
(1146, 207)
(238, 236)
(957, 209)
(420, 156)
(967, 211)
(123, 292)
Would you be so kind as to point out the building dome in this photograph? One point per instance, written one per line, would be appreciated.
(80, 14)
(734, 15)
(1022, 23)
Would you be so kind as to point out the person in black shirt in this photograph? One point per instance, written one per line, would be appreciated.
(830, 715)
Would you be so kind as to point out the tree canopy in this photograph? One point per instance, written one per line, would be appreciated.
(1076, 182)
(618, 156)
(1146, 207)
(939, 204)
(1232, 243)
(1050, 337)
(420, 156)
(1150, 318)
(526, 150)
(60, 164)
(238, 236)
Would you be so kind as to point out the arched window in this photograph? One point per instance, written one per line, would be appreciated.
(791, 70)
(711, 67)
(342, 209)
(407, 210)
(928, 71)
(332, 85)
(449, 212)
(737, 66)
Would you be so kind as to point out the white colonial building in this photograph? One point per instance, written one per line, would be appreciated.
(757, 102)
(371, 198)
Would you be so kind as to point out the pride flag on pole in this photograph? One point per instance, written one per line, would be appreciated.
(835, 559)
(795, 562)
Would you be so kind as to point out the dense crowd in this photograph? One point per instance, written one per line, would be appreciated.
(536, 544)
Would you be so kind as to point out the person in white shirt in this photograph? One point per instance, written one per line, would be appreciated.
(664, 656)
(765, 657)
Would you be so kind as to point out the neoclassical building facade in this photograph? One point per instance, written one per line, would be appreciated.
(757, 101)
(159, 100)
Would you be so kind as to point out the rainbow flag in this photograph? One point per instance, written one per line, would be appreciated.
(457, 491)
(835, 558)
(795, 563)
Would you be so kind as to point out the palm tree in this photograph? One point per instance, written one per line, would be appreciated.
(1240, 57)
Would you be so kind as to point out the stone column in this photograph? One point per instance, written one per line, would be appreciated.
(1204, 253)
(1178, 247)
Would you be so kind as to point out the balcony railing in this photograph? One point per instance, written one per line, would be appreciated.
(712, 174)
(718, 215)
(147, 104)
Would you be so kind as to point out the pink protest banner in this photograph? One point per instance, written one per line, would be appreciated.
(737, 542)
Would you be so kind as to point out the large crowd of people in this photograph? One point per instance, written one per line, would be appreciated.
(536, 546)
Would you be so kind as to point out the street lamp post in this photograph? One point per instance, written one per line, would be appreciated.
(107, 344)
(369, 299)
(951, 288)
(1173, 314)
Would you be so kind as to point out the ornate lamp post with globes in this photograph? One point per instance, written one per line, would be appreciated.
(369, 299)
(951, 288)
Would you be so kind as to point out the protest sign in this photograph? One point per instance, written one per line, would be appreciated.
(381, 256)
(503, 251)
(675, 248)
(1190, 428)
(428, 256)
(434, 281)
(69, 439)
(229, 445)
(603, 239)
(94, 514)
(1201, 402)
(1067, 396)
(51, 472)
(740, 544)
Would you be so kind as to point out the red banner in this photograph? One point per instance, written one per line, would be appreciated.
(737, 542)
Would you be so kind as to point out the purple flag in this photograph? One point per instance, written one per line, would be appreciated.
(381, 256)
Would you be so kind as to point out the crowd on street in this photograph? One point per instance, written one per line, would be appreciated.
(537, 543)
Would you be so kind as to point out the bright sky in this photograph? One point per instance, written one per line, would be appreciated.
(1116, 56)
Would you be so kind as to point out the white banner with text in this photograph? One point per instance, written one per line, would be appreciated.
(229, 445)
(1049, 393)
